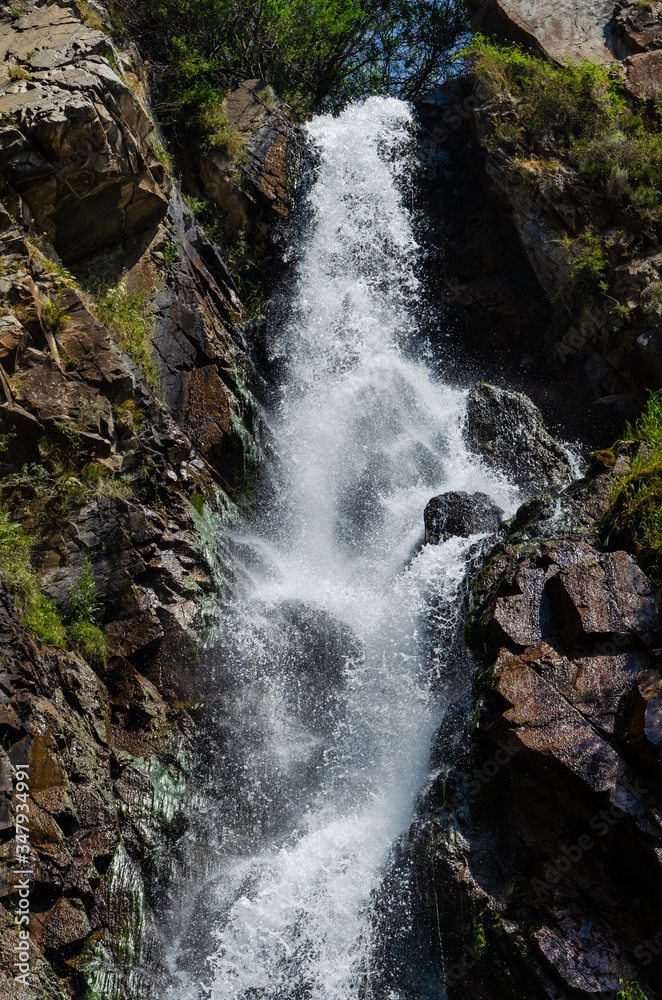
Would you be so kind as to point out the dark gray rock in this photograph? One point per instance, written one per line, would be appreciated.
(507, 430)
(461, 514)
(647, 359)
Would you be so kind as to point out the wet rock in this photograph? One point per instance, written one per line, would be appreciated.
(507, 430)
(528, 839)
(603, 595)
(461, 514)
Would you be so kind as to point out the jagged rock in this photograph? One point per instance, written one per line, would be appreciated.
(507, 430)
(640, 25)
(257, 192)
(460, 514)
(602, 595)
(570, 30)
(77, 151)
(568, 765)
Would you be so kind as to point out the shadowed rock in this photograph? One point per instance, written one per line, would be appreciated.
(459, 513)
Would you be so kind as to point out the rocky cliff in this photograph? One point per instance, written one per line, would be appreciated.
(128, 413)
(551, 208)
(537, 851)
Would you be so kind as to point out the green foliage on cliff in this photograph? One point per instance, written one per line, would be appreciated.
(79, 627)
(308, 50)
(634, 517)
(123, 313)
(34, 611)
(82, 626)
(577, 111)
(588, 265)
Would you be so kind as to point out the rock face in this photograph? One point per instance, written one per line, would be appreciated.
(568, 30)
(533, 185)
(255, 193)
(543, 831)
(461, 514)
(73, 137)
(507, 430)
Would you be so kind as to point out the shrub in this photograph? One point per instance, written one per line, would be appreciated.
(124, 314)
(634, 516)
(573, 101)
(588, 265)
(34, 611)
(581, 108)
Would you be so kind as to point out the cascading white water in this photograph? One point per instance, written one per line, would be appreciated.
(365, 436)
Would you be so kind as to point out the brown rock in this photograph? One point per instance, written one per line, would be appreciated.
(608, 595)
(65, 924)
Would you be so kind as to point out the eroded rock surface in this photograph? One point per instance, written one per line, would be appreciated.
(566, 30)
(113, 437)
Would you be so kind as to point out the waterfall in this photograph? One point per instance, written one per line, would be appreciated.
(332, 686)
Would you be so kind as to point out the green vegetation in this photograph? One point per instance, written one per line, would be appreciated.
(124, 314)
(588, 265)
(82, 626)
(165, 158)
(631, 990)
(18, 73)
(34, 611)
(634, 516)
(581, 111)
(310, 51)
(55, 316)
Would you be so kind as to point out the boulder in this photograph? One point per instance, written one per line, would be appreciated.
(460, 513)
(570, 30)
(507, 431)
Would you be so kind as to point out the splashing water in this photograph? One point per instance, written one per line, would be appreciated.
(336, 693)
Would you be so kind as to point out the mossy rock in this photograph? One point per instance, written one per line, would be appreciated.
(601, 462)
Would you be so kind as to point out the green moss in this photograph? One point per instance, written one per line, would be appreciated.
(634, 516)
(601, 461)
(198, 502)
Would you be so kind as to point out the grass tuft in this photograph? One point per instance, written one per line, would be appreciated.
(124, 314)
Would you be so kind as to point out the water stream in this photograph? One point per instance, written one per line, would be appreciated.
(333, 681)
